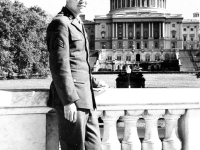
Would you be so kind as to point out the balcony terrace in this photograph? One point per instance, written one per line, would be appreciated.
(26, 122)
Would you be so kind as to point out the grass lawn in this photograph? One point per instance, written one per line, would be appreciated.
(152, 81)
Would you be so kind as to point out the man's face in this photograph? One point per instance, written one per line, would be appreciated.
(77, 6)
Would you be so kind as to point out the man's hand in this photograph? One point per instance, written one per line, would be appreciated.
(102, 84)
(70, 112)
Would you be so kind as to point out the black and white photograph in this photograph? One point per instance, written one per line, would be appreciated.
(99, 74)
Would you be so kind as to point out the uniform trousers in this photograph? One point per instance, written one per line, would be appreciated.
(84, 134)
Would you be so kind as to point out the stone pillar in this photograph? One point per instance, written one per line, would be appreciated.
(189, 129)
(125, 3)
(149, 30)
(116, 34)
(134, 30)
(156, 3)
(26, 122)
(131, 139)
(151, 140)
(121, 4)
(110, 139)
(160, 30)
(172, 140)
(152, 30)
(163, 30)
(111, 4)
(124, 30)
(142, 31)
(180, 28)
(113, 30)
(130, 3)
(140, 3)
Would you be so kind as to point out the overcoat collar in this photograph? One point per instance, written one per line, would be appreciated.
(72, 17)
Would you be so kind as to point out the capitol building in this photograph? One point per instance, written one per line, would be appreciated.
(141, 33)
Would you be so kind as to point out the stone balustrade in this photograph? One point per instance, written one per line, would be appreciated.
(26, 122)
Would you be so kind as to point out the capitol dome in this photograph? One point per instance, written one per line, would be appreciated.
(136, 6)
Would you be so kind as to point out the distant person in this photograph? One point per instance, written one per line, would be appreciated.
(71, 92)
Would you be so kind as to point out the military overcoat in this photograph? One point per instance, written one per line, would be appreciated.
(68, 45)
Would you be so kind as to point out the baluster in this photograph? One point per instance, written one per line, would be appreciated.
(172, 140)
(131, 139)
(151, 140)
(110, 140)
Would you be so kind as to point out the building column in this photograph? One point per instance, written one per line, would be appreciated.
(133, 30)
(152, 31)
(129, 3)
(116, 31)
(142, 29)
(113, 30)
(140, 3)
(181, 27)
(117, 4)
(145, 3)
(124, 31)
(163, 30)
(160, 31)
(156, 3)
(149, 30)
(125, 3)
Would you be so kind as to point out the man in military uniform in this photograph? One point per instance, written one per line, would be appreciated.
(71, 91)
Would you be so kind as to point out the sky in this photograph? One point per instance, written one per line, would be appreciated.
(101, 7)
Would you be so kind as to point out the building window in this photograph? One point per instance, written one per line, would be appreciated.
(147, 57)
(192, 38)
(173, 56)
(92, 30)
(157, 57)
(130, 44)
(173, 34)
(128, 58)
(145, 35)
(184, 38)
(119, 58)
(173, 25)
(109, 58)
(173, 45)
(184, 47)
(120, 35)
(184, 29)
(191, 47)
(145, 45)
(120, 45)
(138, 45)
(191, 29)
(103, 45)
(130, 35)
(138, 35)
(156, 44)
(103, 34)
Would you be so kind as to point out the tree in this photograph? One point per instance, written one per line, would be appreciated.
(22, 36)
